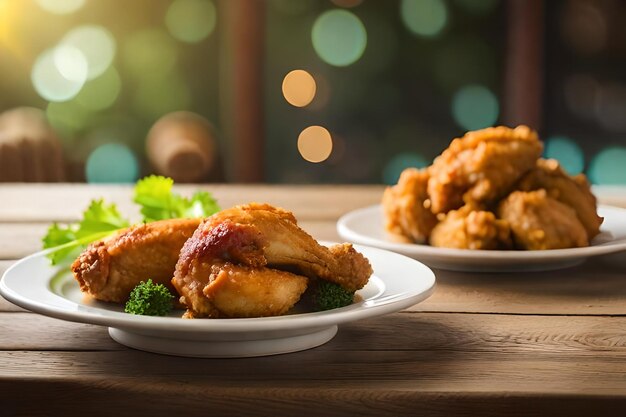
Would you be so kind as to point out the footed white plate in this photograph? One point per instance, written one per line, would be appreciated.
(365, 226)
(398, 282)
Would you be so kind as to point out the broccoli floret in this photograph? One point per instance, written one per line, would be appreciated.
(149, 299)
(328, 295)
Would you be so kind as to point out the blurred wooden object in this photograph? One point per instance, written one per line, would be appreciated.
(182, 146)
(524, 63)
(30, 151)
(242, 60)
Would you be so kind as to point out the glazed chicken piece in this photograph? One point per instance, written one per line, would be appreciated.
(109, 269)
(265, 244)
(573, 191)
(471, 228)
(540, 222)
(406, 208)
(482, 166)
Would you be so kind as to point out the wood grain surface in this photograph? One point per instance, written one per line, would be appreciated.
(543, 343)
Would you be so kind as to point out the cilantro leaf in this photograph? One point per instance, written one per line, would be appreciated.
(99, 220)
(158, 202)
(57, 236)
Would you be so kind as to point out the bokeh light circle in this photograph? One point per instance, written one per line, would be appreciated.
(100, 93)
(61, 6)
(567, 152)
(96, 43)
(299, 88)
(399, 163)
(425, 18)
(112, 163)
(339, 37)
(315, 144)
(71, 63)
(475, 107)
(608, 166)
(48, 77)
(158, 95)
(191, 20)
(150, 51)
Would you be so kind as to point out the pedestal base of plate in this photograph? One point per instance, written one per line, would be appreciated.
(222, 348)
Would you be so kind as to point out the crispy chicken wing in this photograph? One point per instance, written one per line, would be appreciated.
(291, 248)
(541, 222)
(109, 269)
(228, 246)
(573, 191)
(471, 228)
(482, 166)
(406, 207)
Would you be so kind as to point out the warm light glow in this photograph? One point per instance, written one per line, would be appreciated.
(299, 88)
(339, 37)
(96, 43)
(60, 6)
(315, 144)
(191, 20)
(58, 74)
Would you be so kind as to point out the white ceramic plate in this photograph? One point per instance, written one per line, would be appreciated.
(365, 226)
(398, 282)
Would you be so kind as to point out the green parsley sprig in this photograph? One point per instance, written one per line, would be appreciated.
(156, 200)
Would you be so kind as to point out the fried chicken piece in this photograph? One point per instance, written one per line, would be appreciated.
(268, 241)
(540, 222)
(574, 191)
(291, 248)
(109, 269)
(471, 228)
(228, 290)
(482, 166)
(406, 207)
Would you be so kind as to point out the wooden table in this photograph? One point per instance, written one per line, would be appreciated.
(548, 343)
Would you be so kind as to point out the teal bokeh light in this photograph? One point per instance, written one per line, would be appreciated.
(112, 163)
(339, 37)
(567, 152)
(399, 163)
(609, 166)
(475, 107)
(424, 17)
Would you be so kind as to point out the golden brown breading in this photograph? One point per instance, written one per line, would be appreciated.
(471, 228)
(291, 248)
(406, 207)
(573, 191)
(265, 244)
(482, 166)
(228, 290)
(109, 269)
(540, 222)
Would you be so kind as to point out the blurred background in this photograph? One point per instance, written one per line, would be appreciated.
(302, 91)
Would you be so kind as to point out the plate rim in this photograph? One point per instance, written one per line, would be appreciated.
(303, 321)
